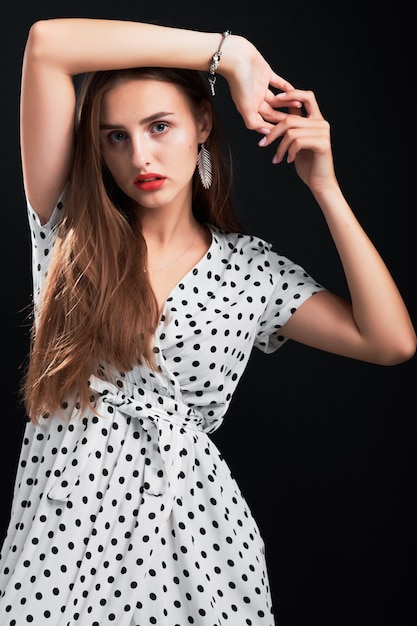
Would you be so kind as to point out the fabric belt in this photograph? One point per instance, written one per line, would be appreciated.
(168, 423)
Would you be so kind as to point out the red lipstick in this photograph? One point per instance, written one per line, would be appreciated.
(149, 181)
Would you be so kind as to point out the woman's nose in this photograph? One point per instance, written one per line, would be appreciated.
(140, 152)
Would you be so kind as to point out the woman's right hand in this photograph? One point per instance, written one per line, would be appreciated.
(251, 82)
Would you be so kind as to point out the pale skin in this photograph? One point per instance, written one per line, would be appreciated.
(145, 123)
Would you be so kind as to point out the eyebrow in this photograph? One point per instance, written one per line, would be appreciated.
(145, 120)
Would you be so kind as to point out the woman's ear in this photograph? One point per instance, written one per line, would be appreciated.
(205, 123)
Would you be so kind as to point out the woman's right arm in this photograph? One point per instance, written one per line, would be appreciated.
(59, 49)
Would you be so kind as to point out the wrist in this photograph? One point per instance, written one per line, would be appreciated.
(215, 60)
(235, 48)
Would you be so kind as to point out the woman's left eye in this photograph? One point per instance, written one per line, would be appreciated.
(159, 127)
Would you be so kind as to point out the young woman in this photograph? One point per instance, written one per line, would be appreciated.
(148, 299)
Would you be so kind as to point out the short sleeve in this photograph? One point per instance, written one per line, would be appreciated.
(291, 287)
(42, 238)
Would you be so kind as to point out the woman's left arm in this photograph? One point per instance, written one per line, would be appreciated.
(375, 325)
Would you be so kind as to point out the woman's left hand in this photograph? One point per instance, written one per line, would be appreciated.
(304, 138)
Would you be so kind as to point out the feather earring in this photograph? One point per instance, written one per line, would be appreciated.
(204, 167)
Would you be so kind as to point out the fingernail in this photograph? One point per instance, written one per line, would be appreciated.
(275, 159)
(262, 141)
(264, 131)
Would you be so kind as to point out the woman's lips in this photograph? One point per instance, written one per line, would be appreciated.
(149, 182)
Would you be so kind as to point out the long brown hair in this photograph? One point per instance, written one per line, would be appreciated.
(96, 303)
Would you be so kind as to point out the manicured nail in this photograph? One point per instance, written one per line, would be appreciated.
(262, 141)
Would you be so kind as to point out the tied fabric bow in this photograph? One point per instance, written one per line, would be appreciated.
(166, 430)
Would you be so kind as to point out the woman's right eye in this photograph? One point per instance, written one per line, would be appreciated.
(117, 136)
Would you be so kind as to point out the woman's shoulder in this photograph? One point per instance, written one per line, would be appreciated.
(35, 222)
(259, 257)
(249, 245)
(240, 239)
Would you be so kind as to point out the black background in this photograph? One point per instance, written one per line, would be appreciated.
(324, 448)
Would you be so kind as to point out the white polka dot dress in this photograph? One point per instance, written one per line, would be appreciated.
(133, 518)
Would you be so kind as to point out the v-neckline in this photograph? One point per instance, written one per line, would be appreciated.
(185, 277)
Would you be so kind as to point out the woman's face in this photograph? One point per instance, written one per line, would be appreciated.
(149, 138)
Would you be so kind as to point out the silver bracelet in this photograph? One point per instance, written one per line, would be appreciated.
(215, 62)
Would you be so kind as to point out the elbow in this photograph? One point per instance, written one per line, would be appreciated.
(39, 37)
(399, 353)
